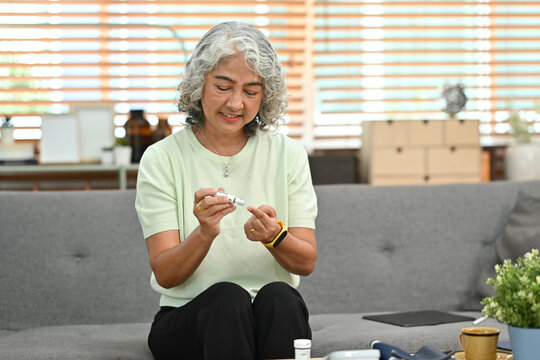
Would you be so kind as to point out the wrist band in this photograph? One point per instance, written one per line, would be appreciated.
(279, 237)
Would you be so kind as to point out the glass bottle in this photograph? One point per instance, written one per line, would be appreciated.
(162, 130)
(138, 133)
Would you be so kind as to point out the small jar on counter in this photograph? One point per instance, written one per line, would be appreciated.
(302, 349)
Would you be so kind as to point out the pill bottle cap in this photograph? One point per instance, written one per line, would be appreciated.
(302, 343)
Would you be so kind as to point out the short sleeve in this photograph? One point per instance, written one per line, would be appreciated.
(156, 202)
(301, 194)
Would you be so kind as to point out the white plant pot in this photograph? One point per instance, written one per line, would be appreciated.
(7, 136)
(522, 162)
(107, 157)
(122, 155)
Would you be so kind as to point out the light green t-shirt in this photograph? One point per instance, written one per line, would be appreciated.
(271, 169)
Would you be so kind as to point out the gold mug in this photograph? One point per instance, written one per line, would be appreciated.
(479, 343)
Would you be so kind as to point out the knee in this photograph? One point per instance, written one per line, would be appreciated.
(279, 289)
(279, 294)
(225, 294)
(281, 305)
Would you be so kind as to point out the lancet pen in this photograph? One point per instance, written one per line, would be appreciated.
(233, 199)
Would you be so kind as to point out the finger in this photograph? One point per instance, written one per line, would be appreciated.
(252, 224)
(268, 210)
(258, 213)
(200, 207)
(263, 209)
(253, 233)
(202, 193)
(207, 201)
(257, 224)
(212, 223)
(217, 209)
(248, 228)
(206, 208)
(226, 210)
(261, 216)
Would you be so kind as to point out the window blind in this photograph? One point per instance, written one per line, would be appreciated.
(382, 60)
(129, 54)
(346, 61)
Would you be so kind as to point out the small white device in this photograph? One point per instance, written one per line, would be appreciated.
(233, 199)
(372, 354)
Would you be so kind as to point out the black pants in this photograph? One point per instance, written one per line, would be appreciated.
(222, 323)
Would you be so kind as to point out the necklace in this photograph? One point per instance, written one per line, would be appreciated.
(226, 172)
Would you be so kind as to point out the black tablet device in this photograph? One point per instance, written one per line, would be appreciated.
(418, 318)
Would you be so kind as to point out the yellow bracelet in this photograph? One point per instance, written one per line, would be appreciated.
(279, 237)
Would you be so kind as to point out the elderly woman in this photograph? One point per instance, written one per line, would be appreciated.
(227, 271)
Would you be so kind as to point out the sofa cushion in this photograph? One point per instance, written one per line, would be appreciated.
(391, 248)
(119, 341)
(520, 234)
(75, 257)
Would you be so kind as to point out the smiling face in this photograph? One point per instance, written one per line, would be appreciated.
(231, 97)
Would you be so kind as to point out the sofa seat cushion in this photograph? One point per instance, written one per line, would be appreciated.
(6, 332)
(333, 332)
(118, 341)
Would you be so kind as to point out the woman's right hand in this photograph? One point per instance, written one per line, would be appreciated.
(210, 210)
(173, 260)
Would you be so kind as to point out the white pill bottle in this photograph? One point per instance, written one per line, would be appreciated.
(302, 349)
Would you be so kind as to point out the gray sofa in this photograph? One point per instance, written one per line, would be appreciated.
(75, 276)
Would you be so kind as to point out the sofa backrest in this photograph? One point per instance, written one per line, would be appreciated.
(79, 257)
(386, 248)
(72, 258)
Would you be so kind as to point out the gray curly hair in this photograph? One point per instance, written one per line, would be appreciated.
(227, 39)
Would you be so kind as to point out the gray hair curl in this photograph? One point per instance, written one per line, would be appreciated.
(227, 39)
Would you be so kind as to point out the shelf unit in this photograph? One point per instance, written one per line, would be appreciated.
(67, 177)
(421, 152)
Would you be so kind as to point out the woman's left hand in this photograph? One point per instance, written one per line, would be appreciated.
(262, 225)
(297, 253)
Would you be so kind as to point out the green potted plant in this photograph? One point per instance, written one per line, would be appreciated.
(519, 128)
(7, 131)
(523, 156)
(517, 303)
(122, 151)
